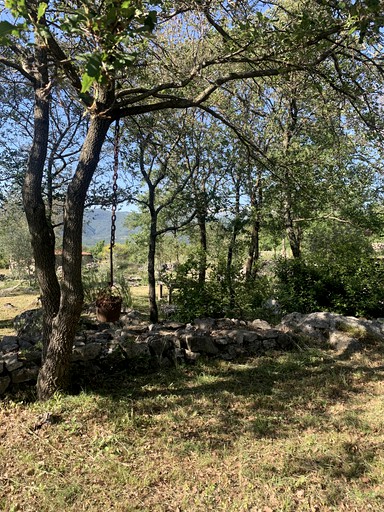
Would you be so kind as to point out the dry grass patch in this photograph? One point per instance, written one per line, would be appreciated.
(285, 432)
(13, 305)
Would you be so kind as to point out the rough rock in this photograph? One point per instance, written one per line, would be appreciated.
(25, 374)
(260, 324)
(4, 383)
(29, 323)
(205, 324)
(87, 352)
(133, 350)
(12, 362)
(343, 343)
(9, 344)
(201, 344)
(132, 345)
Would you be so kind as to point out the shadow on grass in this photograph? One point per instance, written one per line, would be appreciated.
(212, 402)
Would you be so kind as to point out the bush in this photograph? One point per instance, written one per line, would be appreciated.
(338, 273)
(220, 296)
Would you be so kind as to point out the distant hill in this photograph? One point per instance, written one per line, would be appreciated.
(97, 226)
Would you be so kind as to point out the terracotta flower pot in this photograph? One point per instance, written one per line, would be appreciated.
(108, 308)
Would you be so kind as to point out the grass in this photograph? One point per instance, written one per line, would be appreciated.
(285, 432)
(299, 431)
(11, 306)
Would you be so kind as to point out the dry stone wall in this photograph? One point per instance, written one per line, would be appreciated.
(134, 345)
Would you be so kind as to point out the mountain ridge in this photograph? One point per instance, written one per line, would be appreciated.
(97, 226)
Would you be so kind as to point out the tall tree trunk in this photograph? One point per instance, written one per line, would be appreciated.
(253, 250)
(254, 244)
(232, 244)
(293, 234)
(40, 228)
(53, 375)
(153, 309)
(202, 223)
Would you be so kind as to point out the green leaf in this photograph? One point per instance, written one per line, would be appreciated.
(41, 10)
(17, 7)
(6, 28)
(93, 65)
(86, 82)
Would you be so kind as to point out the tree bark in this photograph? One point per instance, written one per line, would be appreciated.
(232, 244)
(153, 309)
(40, 228)
(53, 375)
(202, 223)
(254, 244)
(253, 251)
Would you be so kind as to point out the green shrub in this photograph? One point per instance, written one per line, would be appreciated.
(336, 273)
(220, 296)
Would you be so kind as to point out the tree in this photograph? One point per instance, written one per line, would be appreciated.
(101, 52)
(164, 171)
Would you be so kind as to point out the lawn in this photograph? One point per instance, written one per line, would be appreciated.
(299, 431)
(285, 432)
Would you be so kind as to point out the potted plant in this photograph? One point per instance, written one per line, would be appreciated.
(108, 305)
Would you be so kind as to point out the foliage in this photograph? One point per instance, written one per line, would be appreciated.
(213, 298)
(97, 249)
(96, 284)
(338, 274)
(15, 240)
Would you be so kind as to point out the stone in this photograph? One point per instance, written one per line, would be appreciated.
(255, 347)
(133, 349)
(29, 324)
(320, 325)
(174, 326)
(285, 341)
(33, 356)
(12, 362)
(222, 341)
(159, 344)
(252, 336)
(260, 324)
(9, 344)
(343, 343)
(190, 356)
(360, 328)
(25, 374)
(87, 352)
(25, 345)
(235, 335)
(128, 330)
(201, 344)
(316, 325)
(270, 334)
(205, 324)
(4, 383)
(269, 344)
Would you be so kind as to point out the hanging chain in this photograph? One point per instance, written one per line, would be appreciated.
(116, 141)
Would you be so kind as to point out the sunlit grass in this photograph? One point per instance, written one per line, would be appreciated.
(299, 431)
(284, 432)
